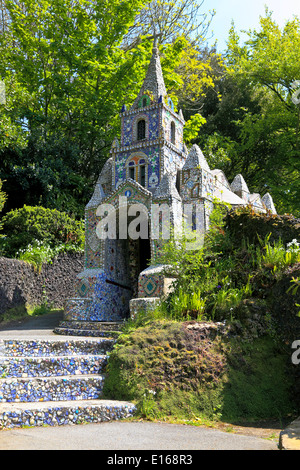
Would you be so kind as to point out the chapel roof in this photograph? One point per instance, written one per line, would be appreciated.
(154, 80)
(195, 159)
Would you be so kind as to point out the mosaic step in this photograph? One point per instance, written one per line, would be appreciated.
(86, 333)
(63, 413)
(89, 328)
(30, 366)
(42, 348)
(63, 388)
(56, 381)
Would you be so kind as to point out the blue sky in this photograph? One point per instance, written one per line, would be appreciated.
(245, 15)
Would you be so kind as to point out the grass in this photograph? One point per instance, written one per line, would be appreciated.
(23, 312)
(173, 373)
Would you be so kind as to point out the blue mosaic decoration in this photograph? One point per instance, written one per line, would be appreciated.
(150, 165)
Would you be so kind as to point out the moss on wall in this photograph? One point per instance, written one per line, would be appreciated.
(202, 370)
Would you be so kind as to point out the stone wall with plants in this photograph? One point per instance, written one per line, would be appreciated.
(23, 285)
(245, 224)
(220, 346)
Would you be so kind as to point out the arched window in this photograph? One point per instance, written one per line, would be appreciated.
(137, 170)
(141, 129)
(144, 101)
(173, 132)
(131, 170)
(142, 172)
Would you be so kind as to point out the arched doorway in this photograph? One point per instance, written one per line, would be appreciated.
(139, 257)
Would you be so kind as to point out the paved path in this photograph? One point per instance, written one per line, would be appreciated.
(115, 435)
(128, 436)
(32, 327)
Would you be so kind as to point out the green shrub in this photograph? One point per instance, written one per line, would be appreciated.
(22, 227)
(2, 197)
(37, 253)
(186, 306)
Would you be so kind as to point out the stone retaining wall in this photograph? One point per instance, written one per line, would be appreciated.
(21, 284)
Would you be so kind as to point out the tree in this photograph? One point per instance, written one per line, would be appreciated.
(69, 75)
(252, 116)
(169, 20)
(269, 139)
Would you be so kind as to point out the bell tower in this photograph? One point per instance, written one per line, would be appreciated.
(151, 134)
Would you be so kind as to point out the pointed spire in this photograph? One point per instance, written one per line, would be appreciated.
(268, 202)
(239, 184)
(103, 185)
(96, 198)
(154, 81)
(166, 188)
(195, 159)
(239, 187)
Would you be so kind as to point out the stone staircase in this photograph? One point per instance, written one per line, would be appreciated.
(86, 328)
(56, 381)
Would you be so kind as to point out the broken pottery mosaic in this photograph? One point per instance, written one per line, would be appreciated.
(149, 165)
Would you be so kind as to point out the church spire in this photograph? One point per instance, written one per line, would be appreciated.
(154, 80)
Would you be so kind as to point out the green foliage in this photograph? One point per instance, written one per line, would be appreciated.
(187, 306)
(269, 137)
(61, 113)
(215, 280)
(244, 224)
(276, 256)
(37, 253)
(257, 384)
(172, 370)
(22, 312)
(192, 127)
(160, 366)
(294, 289)
(68, 67)
(2, 197)
(33, 225)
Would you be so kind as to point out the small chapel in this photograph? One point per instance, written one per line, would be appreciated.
(149, 165)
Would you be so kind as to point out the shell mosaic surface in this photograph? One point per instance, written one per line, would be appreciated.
(149, 165)
(56, 382)
(65, 415)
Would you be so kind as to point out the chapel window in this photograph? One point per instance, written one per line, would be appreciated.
(195, 191)
(141, 129)
(131, 170)
(142, 172)
(137, 170)
(131, 173)
(173, 132)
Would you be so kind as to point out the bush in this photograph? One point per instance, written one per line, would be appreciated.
(213, 281)
(245, 224)
(2, 197)
(21, 227)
